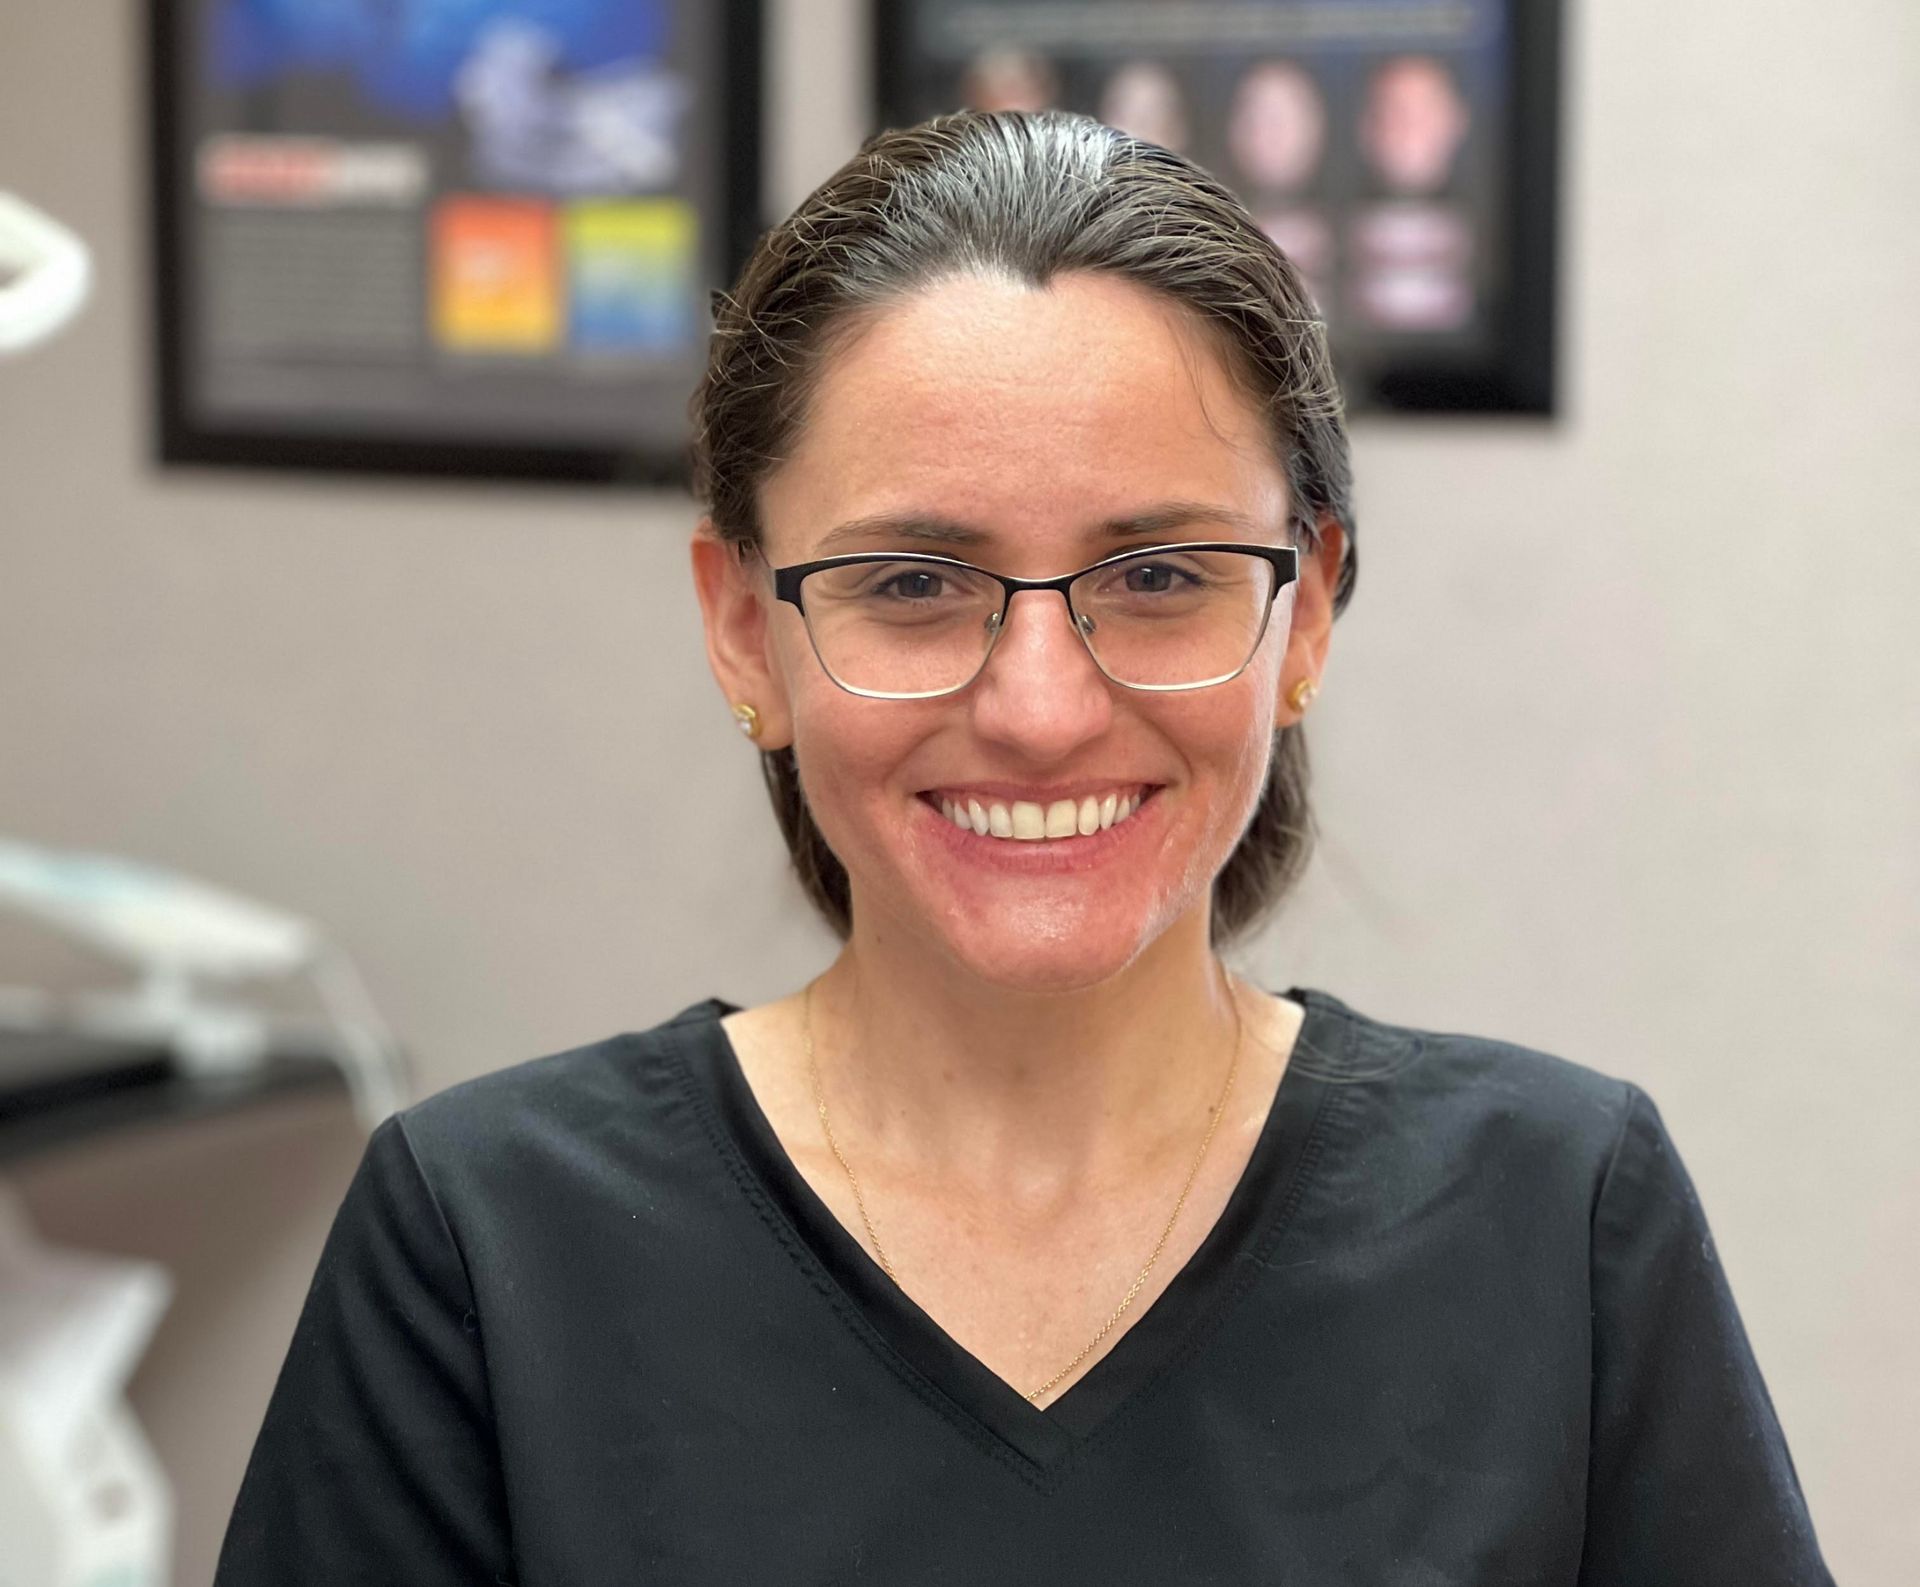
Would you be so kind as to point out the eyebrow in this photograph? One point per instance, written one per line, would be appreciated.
(932, 529)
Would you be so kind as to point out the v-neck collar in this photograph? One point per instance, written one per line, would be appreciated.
(1161, 1338)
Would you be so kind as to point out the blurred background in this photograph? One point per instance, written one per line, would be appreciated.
(1619, 753)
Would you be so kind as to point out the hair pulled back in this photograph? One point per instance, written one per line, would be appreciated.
(1029, 196)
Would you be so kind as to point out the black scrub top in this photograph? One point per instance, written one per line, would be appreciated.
(580, 1323)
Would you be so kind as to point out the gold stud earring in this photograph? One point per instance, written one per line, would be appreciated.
(1300, 696)
(747, 720)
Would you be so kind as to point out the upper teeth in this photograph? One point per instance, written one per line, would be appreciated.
(1028, 822)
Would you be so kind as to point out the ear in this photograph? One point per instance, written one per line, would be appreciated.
(735, 604)
(1312, 625)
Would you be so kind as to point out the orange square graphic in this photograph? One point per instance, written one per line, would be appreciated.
(496, 276)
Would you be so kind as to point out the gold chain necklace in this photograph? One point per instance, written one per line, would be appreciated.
(1153, 1256)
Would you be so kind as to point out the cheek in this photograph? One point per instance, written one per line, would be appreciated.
(1226, 734)
(838, 738)
(1226, 737)
(1234, 760)
(851, 753)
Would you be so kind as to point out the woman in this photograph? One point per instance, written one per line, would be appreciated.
(1026, 1244)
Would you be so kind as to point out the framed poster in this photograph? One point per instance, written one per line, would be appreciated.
(1401, 152)
(466, 237)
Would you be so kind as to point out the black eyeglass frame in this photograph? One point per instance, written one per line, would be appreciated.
(1285, 561)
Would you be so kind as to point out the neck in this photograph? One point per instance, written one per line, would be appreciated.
(932, 1063)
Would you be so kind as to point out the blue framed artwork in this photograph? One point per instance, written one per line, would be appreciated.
(470, 237)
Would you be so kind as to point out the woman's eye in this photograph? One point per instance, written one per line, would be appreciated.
(915, 586)
(1150, 578)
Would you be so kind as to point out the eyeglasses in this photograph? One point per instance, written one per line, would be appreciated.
(900, 626)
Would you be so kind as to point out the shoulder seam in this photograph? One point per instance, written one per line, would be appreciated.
(1328, 1067)
(1631, 1097)
(426, 1184)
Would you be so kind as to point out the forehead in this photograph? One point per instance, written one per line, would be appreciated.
(1032, 415)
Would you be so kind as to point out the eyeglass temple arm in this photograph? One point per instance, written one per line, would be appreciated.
(787, 582)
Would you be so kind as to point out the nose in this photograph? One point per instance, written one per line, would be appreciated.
(1040, 692)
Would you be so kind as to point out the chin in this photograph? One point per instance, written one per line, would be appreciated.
(1035, 948)
(1043, 938)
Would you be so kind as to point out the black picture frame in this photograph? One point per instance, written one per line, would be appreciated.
(1518, 373)
(181, 438)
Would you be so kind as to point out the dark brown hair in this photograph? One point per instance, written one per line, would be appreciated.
(1029, 196)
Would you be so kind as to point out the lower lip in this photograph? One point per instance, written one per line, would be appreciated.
(1046, 856)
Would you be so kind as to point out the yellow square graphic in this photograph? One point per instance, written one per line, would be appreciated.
(650, 225)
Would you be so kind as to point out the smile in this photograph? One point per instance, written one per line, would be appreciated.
(1027, 821)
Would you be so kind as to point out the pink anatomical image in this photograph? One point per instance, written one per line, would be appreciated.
(1143, 99)
(1277, 126)
(1413, 124)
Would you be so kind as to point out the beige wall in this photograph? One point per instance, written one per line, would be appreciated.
(1620, 753)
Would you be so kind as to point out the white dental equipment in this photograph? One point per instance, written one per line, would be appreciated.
(45, 275)
(182, 937)
(83, 1500)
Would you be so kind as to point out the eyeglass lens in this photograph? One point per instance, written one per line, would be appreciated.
(1164, 620)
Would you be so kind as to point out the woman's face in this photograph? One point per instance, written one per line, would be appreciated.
(1031, 432)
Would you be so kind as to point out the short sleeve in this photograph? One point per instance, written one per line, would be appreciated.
(1689, 1477)
(377, 1462)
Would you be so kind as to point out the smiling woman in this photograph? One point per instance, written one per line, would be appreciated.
(1025, 1244)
